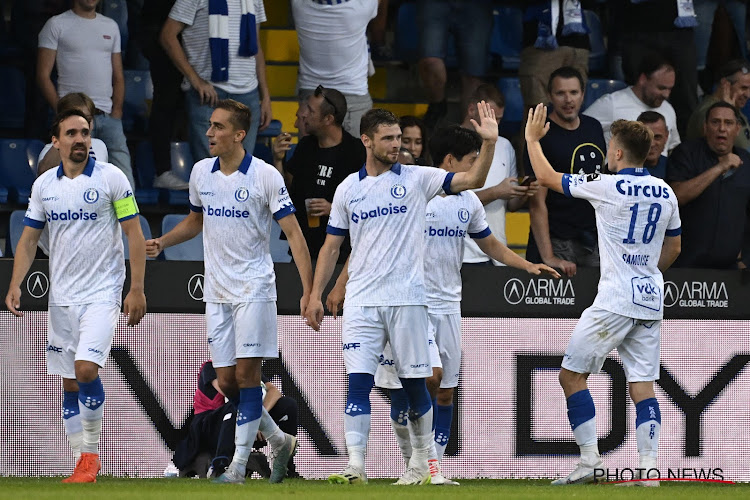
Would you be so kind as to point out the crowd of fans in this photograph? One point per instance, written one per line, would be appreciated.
(73, 56)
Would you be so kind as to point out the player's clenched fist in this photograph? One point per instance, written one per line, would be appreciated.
(153, 247)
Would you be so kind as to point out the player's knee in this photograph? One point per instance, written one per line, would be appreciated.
(445, 396)
(572, 381)
(86, 371)
(433, 382)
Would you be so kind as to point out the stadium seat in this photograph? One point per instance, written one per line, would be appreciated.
(145, 193)
(273, 129)
(33, 149)
(16, 167)
(146, 234)
(507, 34)
(182, 164)
(598, 53)
(596, 87)
(3, 194)
(279, 247)
(139, 91)
(263, 152)
(12, 97)
(513, 115)
(189, 250)
(15, 229)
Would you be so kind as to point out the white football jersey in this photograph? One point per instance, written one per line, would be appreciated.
(384, 217)
(634, 212)
(449, 220)
(237, 211)
(86, 258)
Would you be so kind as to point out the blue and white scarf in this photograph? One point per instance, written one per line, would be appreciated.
(548, 17)
(218, 33)
(686, 17)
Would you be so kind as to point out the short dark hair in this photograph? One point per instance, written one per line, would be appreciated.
(565, 72)
(634, 138)
(488, 92)
(239, 113)
(653, 61)
(723, 104)
(61, 117)
(76, 100)
(733, 67)
(454, 140)
(651, 117)
(373, 119)
(334, 103)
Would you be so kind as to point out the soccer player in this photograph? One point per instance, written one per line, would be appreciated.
(82, 200)
(233, 197)
(449, 219)
(638, 226)
(382, 207)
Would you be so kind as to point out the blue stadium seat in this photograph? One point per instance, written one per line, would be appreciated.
(596, 87)
(15, 229)
(189, 250)
(279, 247)
(145, 193)
(146, 234)
(139, 91)
(3, 194)
(263, 152)
(598, 53)
(273, 129)
(12, 97)
(513, 115)
(182, 164)
(507, 34)
(33, 149)
(16, 167)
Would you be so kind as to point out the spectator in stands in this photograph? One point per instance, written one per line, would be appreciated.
(656, 163)
(333, 52)
(211, 429)
(664, 27)
(563, 229)
(168, 104)
(321, 161)
(705, 11)
(554, 35)
(711, 179)
(49, 157)
(471, 26)
(650, 93)
(501, 190)
(733, 87)
(414, 138)
(216, 67)
(85, 48)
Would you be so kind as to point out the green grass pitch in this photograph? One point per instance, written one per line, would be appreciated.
(186, 489)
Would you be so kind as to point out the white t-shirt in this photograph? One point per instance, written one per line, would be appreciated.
(625, 105)
(98, 151)
(333, 44)
(87, 261)
(237, 211)
(634, 212)
(194, 14)
(84, 54)
(384, 216)
(503, 166)
(449, 220)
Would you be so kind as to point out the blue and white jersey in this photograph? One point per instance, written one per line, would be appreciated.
(237, 211)
(384, 217)
(449, 220)
(86, 258)
(634, 212)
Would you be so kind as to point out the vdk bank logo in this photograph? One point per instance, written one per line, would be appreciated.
(37, 284)
(195, 287)
(242, 194)
(696, 294)
(540, 291)
(90, 195)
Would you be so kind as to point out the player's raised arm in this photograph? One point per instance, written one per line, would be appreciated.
(475, 177)
(327, 258)
(536, 128)
(498, 251)
(185, 230)
(301, 256)
(22, 260)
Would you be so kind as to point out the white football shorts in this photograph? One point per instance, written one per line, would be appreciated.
(386, 376)
(246, 330)
(598, 332)
(79, 333)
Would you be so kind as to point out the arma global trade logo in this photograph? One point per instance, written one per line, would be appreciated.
(696, 294)
(540, 291)
(195, 287)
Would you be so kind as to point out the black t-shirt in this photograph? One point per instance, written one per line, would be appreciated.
(531, 30)
(317, 173)
(579, 151)
(714, 223)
